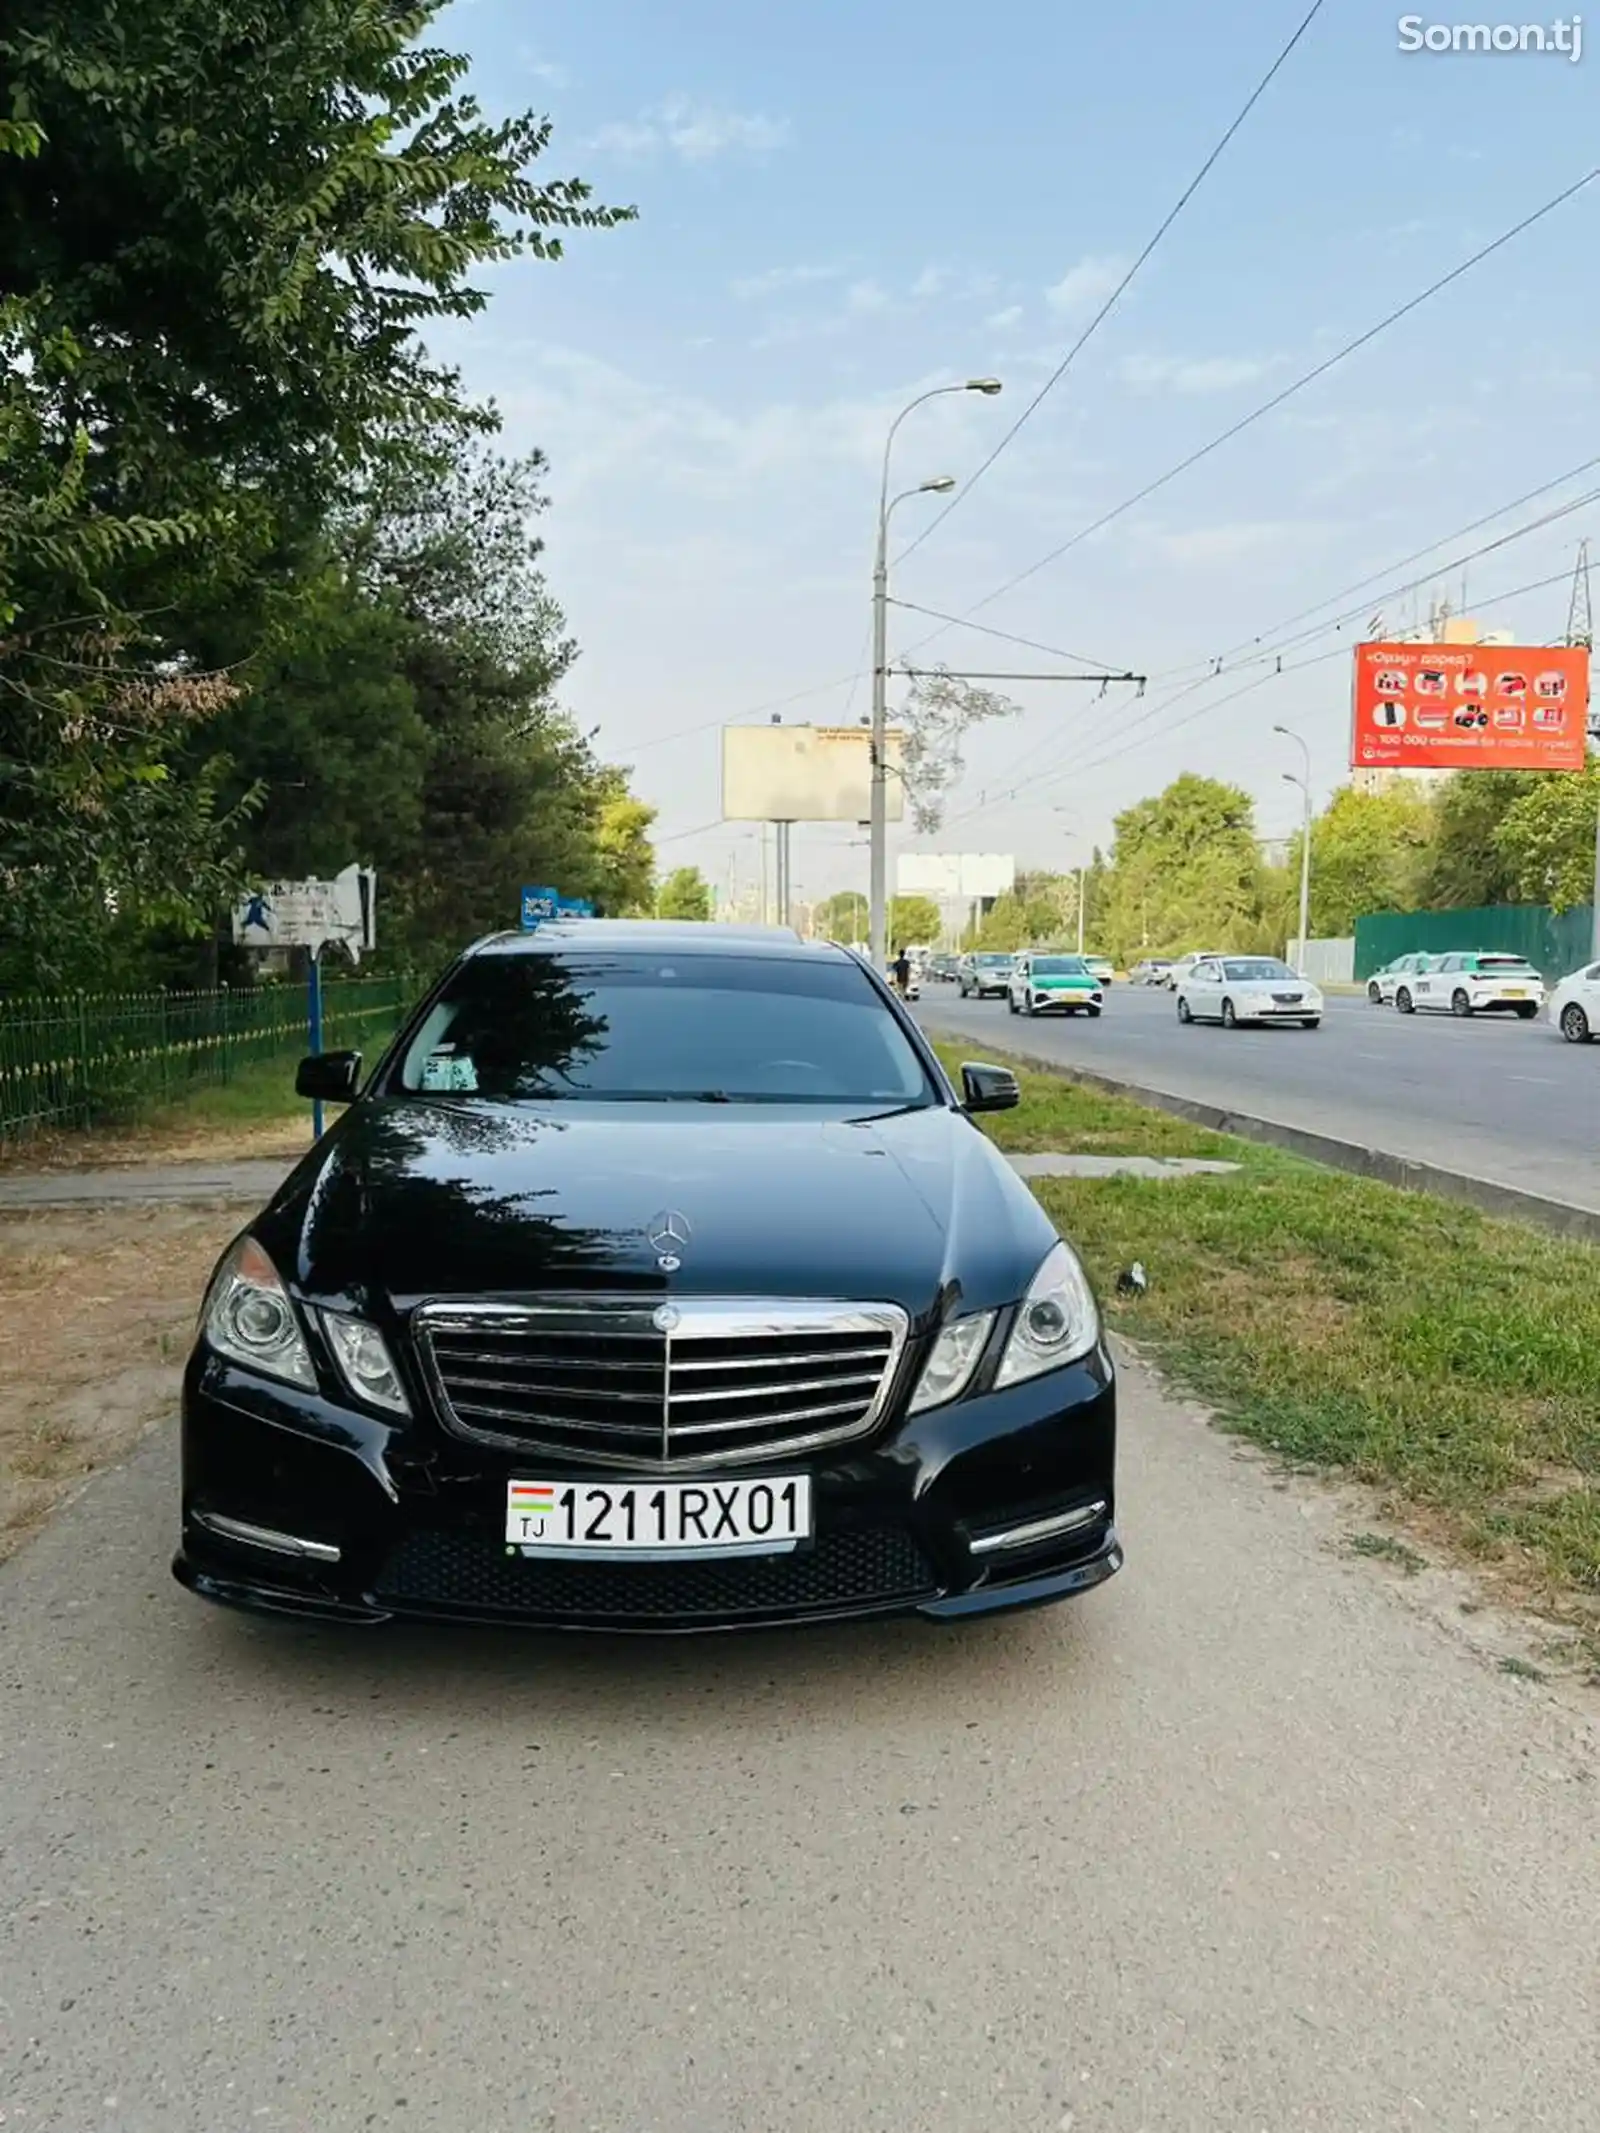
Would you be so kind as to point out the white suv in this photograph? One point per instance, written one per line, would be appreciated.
(1467, 985)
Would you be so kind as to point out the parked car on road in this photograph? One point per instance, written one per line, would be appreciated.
(1151, 971)
(985, 977)
(1178, 971)
(1477, 984)
(1382, 984)
(657, 1278)
(1054, 984)
(1575, 1005)
(1237, 989)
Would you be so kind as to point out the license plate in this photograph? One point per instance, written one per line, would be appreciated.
(659, 1519)
(1514, 992)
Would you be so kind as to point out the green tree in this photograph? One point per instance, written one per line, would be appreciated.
(1367, 854)
(685, 894)
(627, 858)
(842, 917)
(1040, 910)
(221, 235)
(1546, 838)
(914, 922)
(1465, 866)
(1185, 872)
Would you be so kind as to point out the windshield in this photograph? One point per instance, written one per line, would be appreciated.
(1059, 966)
(991, 962)
(661, 1028)
(1246, 967)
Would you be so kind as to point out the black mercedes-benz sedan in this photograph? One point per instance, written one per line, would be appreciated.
(656, 1278)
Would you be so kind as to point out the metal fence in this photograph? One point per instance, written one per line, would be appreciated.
(70, 1060)
(1556, 943)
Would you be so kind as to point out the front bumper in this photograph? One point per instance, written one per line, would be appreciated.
(1002, 1501)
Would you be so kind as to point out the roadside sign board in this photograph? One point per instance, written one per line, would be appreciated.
(538, 905)
(310, 914)
(1470, 707)
(574, 907)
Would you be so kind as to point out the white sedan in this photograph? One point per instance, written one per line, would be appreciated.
(1575, 1005)
(1236, 989)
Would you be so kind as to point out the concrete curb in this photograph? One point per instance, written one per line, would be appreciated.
(1559, 1216)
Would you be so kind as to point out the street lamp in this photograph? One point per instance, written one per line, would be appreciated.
(1305, 834)
(878, 815)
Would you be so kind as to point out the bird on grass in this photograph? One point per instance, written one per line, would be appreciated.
(1133, 1280)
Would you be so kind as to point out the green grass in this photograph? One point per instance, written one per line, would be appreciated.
(258, 1095)
(1405, 1340)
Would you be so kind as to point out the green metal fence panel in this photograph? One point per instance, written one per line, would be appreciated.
(1554, 942)
(72, 1060)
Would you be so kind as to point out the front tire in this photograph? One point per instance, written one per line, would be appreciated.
(1375, 995)
(1184, 1014)
(1526, 1014)
(1575, 1024)
(1094, 1014)
(1312, 1022)
(1460, 1005)
(1404, 1003)
(1012, 1005)
(1229, 1019)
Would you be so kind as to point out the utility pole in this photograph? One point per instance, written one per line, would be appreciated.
(1580, 631)
(1081, 879)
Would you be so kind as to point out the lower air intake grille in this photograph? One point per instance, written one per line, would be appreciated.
(876, 1568)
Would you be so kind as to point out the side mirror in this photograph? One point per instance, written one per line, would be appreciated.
(329, 1077)
(988, 1088)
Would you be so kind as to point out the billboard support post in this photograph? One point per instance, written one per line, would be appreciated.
(1594, 936)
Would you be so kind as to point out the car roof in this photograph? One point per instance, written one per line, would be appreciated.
(681, 936)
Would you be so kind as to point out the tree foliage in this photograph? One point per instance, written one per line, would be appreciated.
(1367, 854)
(1546, 838)
(261, 603)
(685, 894)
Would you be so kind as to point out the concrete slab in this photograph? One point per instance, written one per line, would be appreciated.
(1118, 1166)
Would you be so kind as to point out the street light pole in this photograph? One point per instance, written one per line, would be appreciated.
(878, 813)
(1305, 835)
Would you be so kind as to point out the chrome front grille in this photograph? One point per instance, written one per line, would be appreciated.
(626, 1382)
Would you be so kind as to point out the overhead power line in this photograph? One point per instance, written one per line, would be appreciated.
(1125, 283)
(1278, 399)
(1131, 739)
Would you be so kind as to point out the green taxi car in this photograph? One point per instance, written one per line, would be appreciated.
(1054, 984)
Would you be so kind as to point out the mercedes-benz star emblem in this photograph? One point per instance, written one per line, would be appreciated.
(667, 1320)
(669, 1233)
(669, 1230)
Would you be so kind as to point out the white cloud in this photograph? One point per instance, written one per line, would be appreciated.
(1205, 374)
(544, 70)
(1003, 321)
(774, 281)
(932, 281)
(1089, 283)
(867, 296)
(695, 133)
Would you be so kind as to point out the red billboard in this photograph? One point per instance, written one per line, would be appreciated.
(1470, 707)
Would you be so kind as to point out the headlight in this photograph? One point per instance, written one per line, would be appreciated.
(948, 1371)
(248, 1317)
(1057, 1324)
(364, 1362)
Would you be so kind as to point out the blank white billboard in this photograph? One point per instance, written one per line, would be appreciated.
(951, 877)
(805, 774)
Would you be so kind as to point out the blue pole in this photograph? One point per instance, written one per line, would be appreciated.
(314, 1030)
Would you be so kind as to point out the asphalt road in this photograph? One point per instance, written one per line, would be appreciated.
(1503, 1100)
(1249, 1840)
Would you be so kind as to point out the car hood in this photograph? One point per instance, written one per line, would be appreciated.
(407, 1199)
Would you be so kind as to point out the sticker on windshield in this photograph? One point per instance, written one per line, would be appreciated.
(446, 1073)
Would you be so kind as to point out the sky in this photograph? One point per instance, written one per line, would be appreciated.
(840, 208)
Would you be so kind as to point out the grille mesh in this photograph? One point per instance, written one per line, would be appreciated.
(600, 1382)
(880, 1567)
